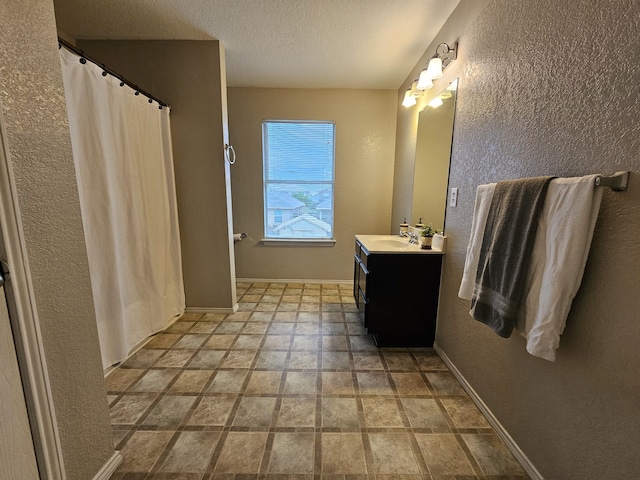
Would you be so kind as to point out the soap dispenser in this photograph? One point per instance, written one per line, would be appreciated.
(404, 227)
(420, 225)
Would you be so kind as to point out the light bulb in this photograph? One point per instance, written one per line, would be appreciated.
(434, 70)
(424, 81)
(409, 100)
(435, 103)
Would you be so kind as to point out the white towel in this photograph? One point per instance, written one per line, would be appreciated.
(559, 255)
(484, 194)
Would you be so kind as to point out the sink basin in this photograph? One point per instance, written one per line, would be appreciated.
(391, 244)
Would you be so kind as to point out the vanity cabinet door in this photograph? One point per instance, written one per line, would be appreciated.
(402, 298)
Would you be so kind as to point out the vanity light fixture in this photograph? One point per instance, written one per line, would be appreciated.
(443, 57)
(409, 100)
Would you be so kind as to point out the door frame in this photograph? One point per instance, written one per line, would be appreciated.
(23, 316)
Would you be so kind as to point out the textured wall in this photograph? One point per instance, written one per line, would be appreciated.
(365, 133)
(551, 88)
(39, 148)
(188, 75)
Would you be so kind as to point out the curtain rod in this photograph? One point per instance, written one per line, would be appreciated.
(106, 70)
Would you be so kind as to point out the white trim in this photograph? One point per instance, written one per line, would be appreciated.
(212, 310)
(520, 456)
(24, 318)
(110, 467)
(293, 280)
(298, 242)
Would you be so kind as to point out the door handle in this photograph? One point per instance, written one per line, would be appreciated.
(4, 272)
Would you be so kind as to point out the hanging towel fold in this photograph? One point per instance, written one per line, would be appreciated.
(506, 247)
(484, 194)
(558, 259)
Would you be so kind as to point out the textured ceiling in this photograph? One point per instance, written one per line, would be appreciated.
(278, 43)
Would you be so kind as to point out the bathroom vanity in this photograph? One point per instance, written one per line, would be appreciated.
(396, 287)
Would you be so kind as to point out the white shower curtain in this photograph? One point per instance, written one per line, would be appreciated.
(122, 154)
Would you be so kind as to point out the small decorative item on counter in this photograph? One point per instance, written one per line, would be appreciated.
(426, 236)
(404, 226)
(420, 225)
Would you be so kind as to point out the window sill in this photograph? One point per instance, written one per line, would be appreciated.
(299, 242)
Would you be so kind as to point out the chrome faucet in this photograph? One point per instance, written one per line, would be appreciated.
(413, 237)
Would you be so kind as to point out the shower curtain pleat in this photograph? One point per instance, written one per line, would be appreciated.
(124, 167)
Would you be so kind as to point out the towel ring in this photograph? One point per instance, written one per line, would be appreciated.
(228, 150)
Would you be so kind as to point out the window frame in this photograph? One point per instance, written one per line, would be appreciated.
(309, 241)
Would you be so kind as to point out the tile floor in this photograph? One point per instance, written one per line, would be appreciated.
(292, 388)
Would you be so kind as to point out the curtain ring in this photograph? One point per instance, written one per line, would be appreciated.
(228, 150)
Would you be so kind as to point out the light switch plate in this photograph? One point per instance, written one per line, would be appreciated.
(453, 197)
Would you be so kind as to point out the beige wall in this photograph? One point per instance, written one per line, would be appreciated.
(190, 76)
(39, 150)
(551, 88)
(365, 135)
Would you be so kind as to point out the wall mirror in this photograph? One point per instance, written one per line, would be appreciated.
(433, 155)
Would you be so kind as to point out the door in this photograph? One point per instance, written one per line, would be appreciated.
(17, 455)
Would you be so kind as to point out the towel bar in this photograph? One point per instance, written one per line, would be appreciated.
(617, 182)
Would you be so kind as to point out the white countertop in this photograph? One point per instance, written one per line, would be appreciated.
(398, 244)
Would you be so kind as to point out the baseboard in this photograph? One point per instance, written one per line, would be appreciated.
(110, 467)
(212, 310)
(292, 280)
(524, 461)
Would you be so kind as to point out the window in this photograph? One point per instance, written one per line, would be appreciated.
(298, 161)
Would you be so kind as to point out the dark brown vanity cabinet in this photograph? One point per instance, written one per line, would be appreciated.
(397, 296)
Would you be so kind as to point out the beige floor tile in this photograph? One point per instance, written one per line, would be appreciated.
(143, 358)
(191, 452)
(238, 359)
(255, 412)
(340, 413)
(425, 413)
(444, 383)
(228, 381)
(285, 317)
(271, 360)
(303, 361)
(400, 361)
(242, 453)
(381, 412)
(429, 360)
(281, 328)
(191, 381)
(121, 378)
(297, 412)
(207, 359)
(264, 382)
(367, 361)
(292, 453)
(337, 383)
(391, 453)
(335, 360)
(220, 341)
(247, 342)
(276, 342)
(464, 413)
(334, 343)
(443, 454)
(306, 342)
(163, 340)
(343, 453)
(212, 411)
(130, 408)
(191, 341)
(229, 327)
(175, 358)
(171, 410)
(154, 381)
(492, 455)
(142, 450)
(410, 384)
(301, 383)
(374, 383)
